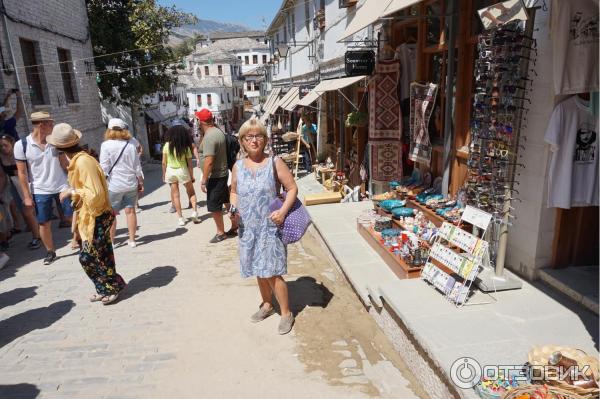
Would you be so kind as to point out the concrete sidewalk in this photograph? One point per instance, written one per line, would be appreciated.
(182, 327)
(428, 331)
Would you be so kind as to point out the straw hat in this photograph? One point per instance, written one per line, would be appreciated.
(64, 136)
(41, 116)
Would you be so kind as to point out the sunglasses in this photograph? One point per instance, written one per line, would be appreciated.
(257, 137)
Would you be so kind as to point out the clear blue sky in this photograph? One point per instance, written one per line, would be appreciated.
(244, 12)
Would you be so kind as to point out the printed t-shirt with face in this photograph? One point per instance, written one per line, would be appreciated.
(573, 136)
(45, 172)
(214, 144)
(574, 32)
(175, 161)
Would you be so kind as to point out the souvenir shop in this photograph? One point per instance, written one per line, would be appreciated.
(448, 140)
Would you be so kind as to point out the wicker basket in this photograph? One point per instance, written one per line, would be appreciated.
(542, 392)
(538, 356)
(290, 136)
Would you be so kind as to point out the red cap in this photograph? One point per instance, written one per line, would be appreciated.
(204, 115)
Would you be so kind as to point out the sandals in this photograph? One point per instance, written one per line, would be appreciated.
(96, 298)
(109, 299)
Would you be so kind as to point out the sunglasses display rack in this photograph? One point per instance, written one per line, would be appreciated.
(453, 272)
(502, 82)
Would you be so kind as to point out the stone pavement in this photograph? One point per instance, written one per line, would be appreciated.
(181, 328)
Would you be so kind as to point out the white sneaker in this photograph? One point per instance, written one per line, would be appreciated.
(181, 222)
(132, 243)
(3, 260)
(138, 209)
(194, 217)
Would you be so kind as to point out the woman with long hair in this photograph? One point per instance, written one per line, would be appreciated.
(254, 185)
(177, 168)
(120, 160)
(94, 217)
(9, 166)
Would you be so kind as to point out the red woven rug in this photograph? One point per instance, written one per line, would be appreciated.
(385, 118)
(386, 161)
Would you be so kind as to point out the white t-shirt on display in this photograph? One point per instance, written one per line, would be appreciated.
(574, 31)
(123, 177)
(45, 172)
(573, 136)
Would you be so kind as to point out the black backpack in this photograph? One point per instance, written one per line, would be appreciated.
(232, 148)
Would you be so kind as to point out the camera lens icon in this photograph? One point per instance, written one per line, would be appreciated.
(465, 372)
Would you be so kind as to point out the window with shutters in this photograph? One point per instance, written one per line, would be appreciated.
(66, 72)
(33, 71)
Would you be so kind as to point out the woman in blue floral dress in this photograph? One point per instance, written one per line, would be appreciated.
(262, 253)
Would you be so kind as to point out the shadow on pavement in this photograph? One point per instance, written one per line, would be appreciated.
(305, 291)
(19, 391)
(34, 319)
(155, 278)
(153, 205)
(160, 236)
(15, 296)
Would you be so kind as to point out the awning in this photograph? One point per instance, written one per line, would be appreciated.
(371, 11)
(273, 97)
(308, 99)
(285, 100)
(336, 84)
(155, 115)
(293, 102)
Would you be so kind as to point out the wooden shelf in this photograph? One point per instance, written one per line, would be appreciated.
(400, 268)
(436, 219)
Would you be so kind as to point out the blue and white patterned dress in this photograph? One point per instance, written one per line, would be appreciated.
(262, 253)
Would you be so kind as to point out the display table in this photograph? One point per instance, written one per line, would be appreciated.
(400, 268)
(323, 174)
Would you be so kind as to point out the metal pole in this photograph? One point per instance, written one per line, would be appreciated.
(503, 241)
(449, 109)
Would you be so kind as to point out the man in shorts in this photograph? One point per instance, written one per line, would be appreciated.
(42, 177)
(213, 157)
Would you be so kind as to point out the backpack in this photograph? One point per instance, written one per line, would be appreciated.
(232, 149)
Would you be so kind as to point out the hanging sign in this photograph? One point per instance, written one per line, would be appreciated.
(359, 62)
(477, 217)
(304, 90)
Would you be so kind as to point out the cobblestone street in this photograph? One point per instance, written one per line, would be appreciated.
(182, 327)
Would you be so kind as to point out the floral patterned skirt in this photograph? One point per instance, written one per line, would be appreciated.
(98, 260)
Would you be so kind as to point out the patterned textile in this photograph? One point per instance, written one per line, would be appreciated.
(98, 260)
(385, 117)
(262, 253)
(386, 161)
(422, 101)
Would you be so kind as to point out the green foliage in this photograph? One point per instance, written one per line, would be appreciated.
(143, 25)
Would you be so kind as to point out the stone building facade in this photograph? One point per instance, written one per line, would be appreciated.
(46, 51)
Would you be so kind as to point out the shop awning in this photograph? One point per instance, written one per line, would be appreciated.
(336, 84)
(308, 99)
(273, 98)
(290, 106)
(371, 11)
(285, 100)
(328, 85)
(155, 115)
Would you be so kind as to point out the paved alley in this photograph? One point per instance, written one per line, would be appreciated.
(182, 327)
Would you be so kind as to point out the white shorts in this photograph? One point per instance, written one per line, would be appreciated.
(177, 175)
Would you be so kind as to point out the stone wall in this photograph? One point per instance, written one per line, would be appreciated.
(53, 24)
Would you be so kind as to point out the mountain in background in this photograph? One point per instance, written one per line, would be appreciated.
(204, 27)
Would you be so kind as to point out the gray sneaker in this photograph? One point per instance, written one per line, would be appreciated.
(261, 315)
(286, 323)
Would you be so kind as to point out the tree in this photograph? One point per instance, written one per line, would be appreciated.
(129, 38)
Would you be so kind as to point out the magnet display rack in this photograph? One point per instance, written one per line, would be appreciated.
(453, 272)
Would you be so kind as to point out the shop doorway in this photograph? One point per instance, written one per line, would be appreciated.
(576, 241)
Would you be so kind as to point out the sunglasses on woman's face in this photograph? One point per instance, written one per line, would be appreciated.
(258, 137)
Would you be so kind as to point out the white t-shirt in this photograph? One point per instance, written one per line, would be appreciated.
(574, 30)
(573, 136)
(123, 177)
(45, 172)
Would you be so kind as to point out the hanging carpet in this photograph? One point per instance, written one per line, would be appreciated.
(386, 161)
(385, 118)
(422, 101)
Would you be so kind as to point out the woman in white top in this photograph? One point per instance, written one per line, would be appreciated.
(120, 160)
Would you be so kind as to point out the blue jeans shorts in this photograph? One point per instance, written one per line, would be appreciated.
(120, 201)
(44, 203)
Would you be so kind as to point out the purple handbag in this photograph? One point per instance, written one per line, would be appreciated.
(296, 221)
